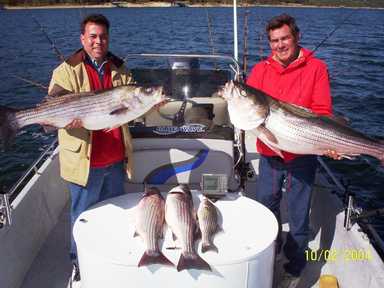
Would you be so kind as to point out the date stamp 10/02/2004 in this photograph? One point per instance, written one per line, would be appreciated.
(334, 255)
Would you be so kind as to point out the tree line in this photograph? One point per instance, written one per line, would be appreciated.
(346, 3)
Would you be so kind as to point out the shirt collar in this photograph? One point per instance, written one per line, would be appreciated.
(99, 67)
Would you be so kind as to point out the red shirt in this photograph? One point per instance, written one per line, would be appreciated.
(304, 82)
(107, 146)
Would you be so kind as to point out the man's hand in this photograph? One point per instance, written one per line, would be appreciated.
(76, 123)
(332, 154)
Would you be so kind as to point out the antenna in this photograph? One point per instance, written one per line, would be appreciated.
(235, 44)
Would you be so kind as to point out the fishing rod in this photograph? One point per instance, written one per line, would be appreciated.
(332, 32)
(58, 53)
(34, 83)
(210, 35)
(235, 43)
(245, 43)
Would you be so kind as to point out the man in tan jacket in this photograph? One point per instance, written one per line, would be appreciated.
(95, 163)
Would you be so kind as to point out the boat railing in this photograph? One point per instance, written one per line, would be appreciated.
(6, 199)
(353, 214)
(5, 211)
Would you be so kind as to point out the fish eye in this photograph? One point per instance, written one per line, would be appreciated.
(243, 93)
(148, 90)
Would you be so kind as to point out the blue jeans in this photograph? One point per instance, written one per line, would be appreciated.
(103, 183)
(297, 177)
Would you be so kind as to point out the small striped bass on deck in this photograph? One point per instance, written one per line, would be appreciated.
(179, 216)
(149, 226)
(207, 219)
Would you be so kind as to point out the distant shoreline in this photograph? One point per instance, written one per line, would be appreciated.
(155, 4)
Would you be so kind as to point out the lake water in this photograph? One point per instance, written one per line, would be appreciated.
(354, 54)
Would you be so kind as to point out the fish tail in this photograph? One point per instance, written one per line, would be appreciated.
(381, 158)
(192, 262)
(209, 247)
(379, 153)
(8, 128)
(157, 257)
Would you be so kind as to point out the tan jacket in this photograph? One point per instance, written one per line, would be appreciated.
(75, 144)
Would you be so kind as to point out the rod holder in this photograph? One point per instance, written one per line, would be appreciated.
(5, 211)
(349, 213)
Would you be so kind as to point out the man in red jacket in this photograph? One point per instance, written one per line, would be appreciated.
(291, 74)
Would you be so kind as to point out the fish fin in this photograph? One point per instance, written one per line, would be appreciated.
(161, 232)
(156, 257)
(49, 128)
(342, 120)
(209, 247)
(197, 234)
(56, 91)
(268, 139)
(8, 125)
(219, 229)
(277, 151)
(263, 130)
(68, 96)
(349, 157)
(193, 261)
(111, 128)
(136, 234)
(119, 110)
(174, 236)
(297, 110)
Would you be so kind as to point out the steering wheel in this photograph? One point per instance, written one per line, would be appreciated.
(178, 117)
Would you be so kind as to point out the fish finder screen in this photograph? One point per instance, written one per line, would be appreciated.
(211, 183)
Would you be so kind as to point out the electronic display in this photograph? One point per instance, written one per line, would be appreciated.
(214, 184)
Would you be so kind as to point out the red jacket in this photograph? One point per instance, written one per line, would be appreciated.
(304, 82)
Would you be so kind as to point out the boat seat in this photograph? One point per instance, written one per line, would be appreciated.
(199, 86)
(220, 112)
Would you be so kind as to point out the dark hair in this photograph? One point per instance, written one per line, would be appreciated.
(94, 18)
(280, 20)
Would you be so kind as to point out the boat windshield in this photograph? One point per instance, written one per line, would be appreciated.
(182, 76)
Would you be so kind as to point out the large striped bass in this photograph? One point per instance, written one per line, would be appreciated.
(207, 218)
(179, 217)
(149, 226)
(286, 127)
(96, 110)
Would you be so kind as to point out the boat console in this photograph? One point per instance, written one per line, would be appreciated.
(189, 136)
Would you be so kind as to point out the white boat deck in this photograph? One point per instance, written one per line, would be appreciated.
(37, 255)
(52, 267)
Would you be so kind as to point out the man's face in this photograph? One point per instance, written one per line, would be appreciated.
(95, 41)
(283, 44)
